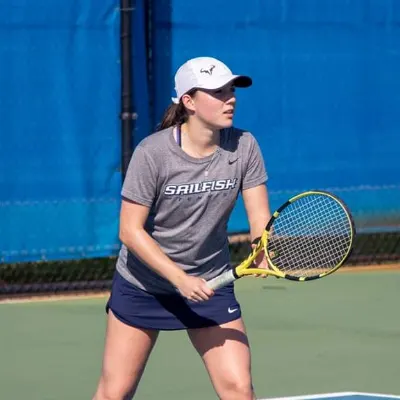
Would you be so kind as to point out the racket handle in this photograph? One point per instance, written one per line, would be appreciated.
(222, 280)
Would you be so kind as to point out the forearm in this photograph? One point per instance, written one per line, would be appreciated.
(257, 208)
(257, 225)
(147, 250)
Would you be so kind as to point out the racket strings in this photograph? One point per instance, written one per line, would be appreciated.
(310, 236)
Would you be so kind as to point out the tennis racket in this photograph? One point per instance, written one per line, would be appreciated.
(308, 237)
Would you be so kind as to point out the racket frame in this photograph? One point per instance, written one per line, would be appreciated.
(261, 244)
(275, 215)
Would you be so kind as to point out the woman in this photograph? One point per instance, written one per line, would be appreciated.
(181, 186)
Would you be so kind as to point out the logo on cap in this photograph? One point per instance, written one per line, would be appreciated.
(207, 71)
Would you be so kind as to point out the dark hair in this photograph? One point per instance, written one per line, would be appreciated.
(175, 114)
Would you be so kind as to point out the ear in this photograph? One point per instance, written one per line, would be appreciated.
(188, 102)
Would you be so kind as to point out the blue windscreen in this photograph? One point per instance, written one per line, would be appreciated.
(325, 101)
(60, 132)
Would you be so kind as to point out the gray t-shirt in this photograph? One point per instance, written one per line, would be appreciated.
(190, 202)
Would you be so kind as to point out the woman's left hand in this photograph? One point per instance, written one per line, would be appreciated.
(261, 262)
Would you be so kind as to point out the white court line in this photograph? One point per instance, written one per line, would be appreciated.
(381, 395)
(313, 396)
(54, 298)
(333, 395)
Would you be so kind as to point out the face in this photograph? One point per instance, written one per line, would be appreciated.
(214, 108)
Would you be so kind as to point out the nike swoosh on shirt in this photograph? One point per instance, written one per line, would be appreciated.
(233, 161)
(232, 310)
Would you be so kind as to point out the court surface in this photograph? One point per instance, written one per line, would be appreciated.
(339, 335)
(340, 396)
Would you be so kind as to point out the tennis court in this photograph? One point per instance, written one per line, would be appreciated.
(337, 335)
(341, 396)
(82, 87)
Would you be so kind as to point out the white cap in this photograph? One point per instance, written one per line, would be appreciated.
(205, 73)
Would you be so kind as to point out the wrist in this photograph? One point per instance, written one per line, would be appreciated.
(177, 277)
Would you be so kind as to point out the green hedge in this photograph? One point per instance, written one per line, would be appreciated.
(90, 274)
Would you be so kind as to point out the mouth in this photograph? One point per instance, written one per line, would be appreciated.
(229, 112)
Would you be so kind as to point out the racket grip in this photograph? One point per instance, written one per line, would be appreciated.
(222, 280)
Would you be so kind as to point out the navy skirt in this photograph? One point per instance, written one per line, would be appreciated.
(141, 309)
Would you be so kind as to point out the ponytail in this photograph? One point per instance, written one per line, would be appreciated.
(175, 114)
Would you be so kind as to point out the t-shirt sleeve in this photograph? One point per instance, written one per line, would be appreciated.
(255, 172)
(140, 184)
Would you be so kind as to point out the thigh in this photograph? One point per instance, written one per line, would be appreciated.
(126, 352)
(225, 352)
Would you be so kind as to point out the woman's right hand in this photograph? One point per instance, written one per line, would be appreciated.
(194, 289)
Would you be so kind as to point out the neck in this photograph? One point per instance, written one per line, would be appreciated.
(198, 140)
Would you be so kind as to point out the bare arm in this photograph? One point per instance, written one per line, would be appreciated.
(258, 212)
(257, 208)
(132, 233)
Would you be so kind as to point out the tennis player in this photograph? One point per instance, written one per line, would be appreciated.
(180, 188)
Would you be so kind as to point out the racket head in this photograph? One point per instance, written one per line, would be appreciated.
(309, 237)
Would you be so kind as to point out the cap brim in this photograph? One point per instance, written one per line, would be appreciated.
(242, 81)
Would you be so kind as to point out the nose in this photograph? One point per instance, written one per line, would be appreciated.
(231, 98)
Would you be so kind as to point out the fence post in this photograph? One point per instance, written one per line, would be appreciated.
(128, 116)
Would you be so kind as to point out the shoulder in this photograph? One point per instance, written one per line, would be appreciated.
(155, 141)
(240, 138)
